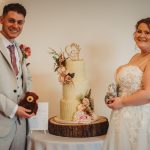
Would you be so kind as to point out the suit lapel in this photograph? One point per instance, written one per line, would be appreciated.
(4, 52)
(22, 65)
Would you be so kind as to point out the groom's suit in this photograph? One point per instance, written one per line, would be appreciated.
(12, 88)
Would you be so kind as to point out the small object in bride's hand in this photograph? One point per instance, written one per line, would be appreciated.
(112, 92)
(109, 101)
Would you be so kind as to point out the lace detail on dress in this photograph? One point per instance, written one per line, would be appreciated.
(129, 79)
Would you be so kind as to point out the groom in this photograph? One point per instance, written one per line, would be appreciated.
(14, 80)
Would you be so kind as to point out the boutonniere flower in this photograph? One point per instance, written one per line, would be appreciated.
(26, 51)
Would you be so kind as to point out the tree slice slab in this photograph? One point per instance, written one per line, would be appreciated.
(97, 128)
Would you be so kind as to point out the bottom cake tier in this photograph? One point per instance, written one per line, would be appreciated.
(68, 129)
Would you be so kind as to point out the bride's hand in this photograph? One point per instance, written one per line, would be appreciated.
(116, 103)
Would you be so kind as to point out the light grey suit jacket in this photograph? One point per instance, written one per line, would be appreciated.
(8, 87)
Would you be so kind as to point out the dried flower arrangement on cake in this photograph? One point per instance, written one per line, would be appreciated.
(60, 67)
(85, 110)
(72, 51)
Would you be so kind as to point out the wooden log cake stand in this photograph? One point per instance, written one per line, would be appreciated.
(97, 128)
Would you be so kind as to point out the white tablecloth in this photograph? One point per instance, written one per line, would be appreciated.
(37, 140)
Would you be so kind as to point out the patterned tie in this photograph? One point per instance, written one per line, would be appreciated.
(13, 58)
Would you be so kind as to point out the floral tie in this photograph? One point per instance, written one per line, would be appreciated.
(13, 58)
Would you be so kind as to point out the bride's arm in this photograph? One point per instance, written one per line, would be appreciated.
(138, 98)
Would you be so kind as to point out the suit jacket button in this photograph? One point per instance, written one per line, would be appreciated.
(15, 91)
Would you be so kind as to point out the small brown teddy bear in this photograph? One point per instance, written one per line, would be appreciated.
(29, 101)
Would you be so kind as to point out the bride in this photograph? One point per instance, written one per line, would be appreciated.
(129, 127)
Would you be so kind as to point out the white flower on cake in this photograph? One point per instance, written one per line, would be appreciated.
(86, 102)
(81, 116)
(85, 110)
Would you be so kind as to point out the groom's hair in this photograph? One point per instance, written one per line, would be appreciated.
(14, 7)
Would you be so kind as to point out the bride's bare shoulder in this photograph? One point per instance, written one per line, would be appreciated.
(134, 58)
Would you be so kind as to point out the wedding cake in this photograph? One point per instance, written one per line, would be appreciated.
(76, 104)
(73, 92)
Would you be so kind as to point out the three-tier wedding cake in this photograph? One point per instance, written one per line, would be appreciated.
(76, 104)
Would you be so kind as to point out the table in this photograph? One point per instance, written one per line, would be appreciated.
(38, 140)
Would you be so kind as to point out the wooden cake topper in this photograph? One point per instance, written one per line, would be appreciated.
(73, 51)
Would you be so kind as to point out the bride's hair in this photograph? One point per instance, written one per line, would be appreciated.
(145, 20)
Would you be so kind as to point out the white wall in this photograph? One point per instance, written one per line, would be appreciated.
(103, 29)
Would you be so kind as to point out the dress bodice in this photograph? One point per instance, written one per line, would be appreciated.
(129, 79)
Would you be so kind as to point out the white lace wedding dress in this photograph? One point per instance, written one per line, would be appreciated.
(129, 127)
